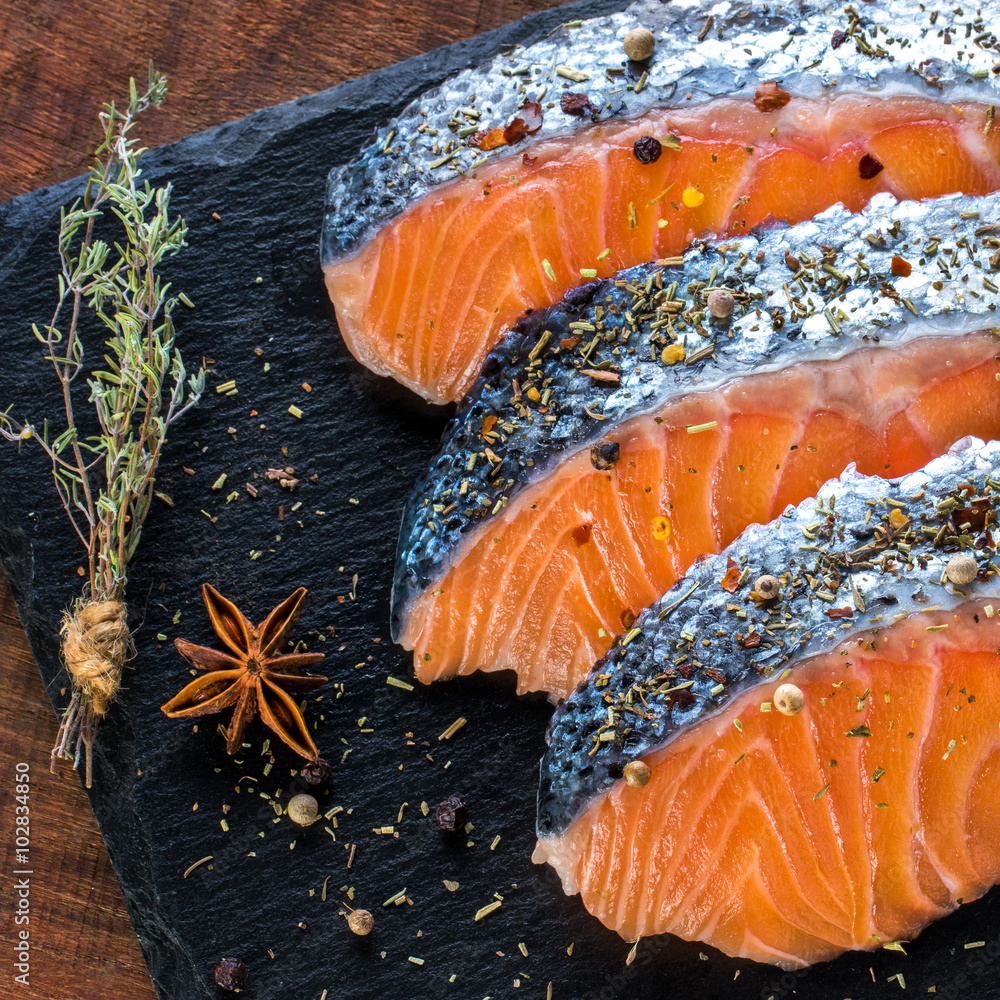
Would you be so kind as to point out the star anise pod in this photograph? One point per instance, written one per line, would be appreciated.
(252, 675)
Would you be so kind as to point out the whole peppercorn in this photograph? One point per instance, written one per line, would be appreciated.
(721, 303)
(869, 167)
(637, 774)
(361, 922)
(317, 772)
(605, 455)
(231, 974)
(639, 44)
(961, 569)
(767, 587)
(647, 149)
(303, 809)
(451, 814)
(789, 699)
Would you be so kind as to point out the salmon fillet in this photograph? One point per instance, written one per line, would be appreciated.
(426, 299)
(792, 838)
(614, 439)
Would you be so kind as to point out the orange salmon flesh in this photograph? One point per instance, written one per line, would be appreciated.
(431, 293)
(790, 841)
(544, 586)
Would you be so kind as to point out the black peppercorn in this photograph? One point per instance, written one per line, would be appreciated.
(317, 772)
(869, 167)
(647, 149)
(605, 455)
(231, 974)
(451, 814)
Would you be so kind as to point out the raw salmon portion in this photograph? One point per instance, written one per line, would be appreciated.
(845, 813)
(545, 586)
(429, 295)
(789, 840)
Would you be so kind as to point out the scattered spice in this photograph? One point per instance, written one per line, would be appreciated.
(231, 974)
(453, 728)
(637, 774)
(303, 809)
(361, 922)
(647, 149)
(605, 455)
(486, 910)
(721, 303)
(317, 772)
(838, 39)
(869, 167)
(731, 580)
(639, 44)
(201, 861)
(451, 814)
(900, 267)
(264, 679)
(792, 262)
(770, 97)
(577, 105)
(789, 699)
(961, 569)
(767, 587)
(692, 198)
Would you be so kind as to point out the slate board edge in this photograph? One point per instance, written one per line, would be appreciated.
(171, 970)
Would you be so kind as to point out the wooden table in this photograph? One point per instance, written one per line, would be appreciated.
(58, 63)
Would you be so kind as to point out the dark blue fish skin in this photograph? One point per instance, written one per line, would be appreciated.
(887, 49)
(876, 572)
(846, 298)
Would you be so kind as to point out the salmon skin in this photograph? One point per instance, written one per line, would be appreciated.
(431, 246)
(863, 574)
(570, 378)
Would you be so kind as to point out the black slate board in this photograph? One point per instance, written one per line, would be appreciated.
(365, 439)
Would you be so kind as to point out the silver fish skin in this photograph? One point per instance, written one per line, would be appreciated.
(704, 50)
(848, 298)
(873, 572)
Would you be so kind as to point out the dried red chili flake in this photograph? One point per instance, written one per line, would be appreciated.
(682, 698)
(840, 612)
(488, 138)
(528, 122)
(581, 535)
(576, 104)
(838, 39)
(770, 97)
(568, 343)
(627, 618)
(901, 268)
(489, 423)
(685, 670)
(869, 167)
(528, 161)
(732, 578)
(792, 262)
(751, 641)
(647, 149)
(715, 675)
(977, 515)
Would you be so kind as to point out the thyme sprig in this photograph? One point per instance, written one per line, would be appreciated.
(105, 474)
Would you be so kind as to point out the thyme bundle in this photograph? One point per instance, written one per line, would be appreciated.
(105, 478)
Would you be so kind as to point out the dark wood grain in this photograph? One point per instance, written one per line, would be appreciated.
(58, 62)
